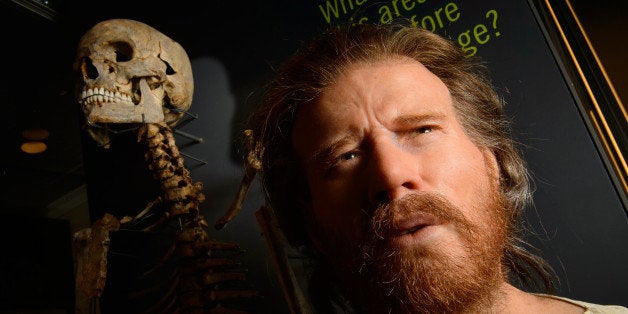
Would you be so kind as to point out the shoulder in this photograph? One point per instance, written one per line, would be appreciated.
(591, 308)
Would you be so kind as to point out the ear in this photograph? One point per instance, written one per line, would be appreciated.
(492, 165)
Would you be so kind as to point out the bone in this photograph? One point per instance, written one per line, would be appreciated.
(150, 105)
(276, 242)
(253, 165)
(92, 267)
(193, 266)
(213, 278)
(149, 110)
(220, 295)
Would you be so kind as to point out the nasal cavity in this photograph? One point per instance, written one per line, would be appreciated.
(384, 196)
(409, 185)
(88, 69)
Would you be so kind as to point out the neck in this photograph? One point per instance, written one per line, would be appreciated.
(502, 300)
(501, 297)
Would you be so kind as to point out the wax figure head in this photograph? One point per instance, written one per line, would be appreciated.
(386, 150)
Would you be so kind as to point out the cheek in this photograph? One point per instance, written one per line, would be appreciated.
(330, 201)
(464, 177)
(336, 206)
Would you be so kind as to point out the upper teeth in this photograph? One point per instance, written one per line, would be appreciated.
(100, 95)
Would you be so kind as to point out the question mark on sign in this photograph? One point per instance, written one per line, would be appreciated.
(494, 14)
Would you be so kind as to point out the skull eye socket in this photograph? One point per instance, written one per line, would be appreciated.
(169, 69)
(88, 69)
(124, 51)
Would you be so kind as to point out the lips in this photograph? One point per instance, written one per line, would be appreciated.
(413, 230)
(412, 223)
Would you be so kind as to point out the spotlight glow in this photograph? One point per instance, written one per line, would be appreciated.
(33, 147)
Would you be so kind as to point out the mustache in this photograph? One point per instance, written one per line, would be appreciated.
(387, 215)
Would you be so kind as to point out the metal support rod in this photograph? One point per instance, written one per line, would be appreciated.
(193, 158)
(188, 135)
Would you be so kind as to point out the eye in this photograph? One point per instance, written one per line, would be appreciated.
(338, 164)
(423, 130)
(348, 156)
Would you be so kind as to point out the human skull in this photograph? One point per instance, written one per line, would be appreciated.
(131, 73)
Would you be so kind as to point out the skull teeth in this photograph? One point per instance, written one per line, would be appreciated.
(100, 96)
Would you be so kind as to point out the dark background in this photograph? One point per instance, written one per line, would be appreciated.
(579, 222)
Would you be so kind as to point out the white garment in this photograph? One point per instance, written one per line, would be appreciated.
(591, 308)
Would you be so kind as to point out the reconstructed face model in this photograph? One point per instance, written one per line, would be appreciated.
(398, 188)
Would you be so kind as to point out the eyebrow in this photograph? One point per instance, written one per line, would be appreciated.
(324, 154)
(413, 119)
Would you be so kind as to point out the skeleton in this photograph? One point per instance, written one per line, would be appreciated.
(133, 75)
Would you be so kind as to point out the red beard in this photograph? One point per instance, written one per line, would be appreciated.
(427, 279)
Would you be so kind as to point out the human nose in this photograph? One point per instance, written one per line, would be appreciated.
(393, 172)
